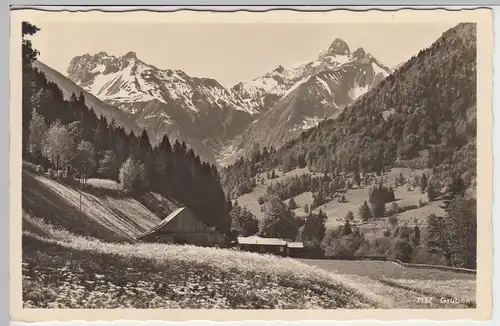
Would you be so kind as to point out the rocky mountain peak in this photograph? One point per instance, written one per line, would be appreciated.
(130, 55)
(339, 47)
(359, 53)
(280, 69)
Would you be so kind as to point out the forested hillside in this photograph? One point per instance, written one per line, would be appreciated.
(421, 116)
(68, 137)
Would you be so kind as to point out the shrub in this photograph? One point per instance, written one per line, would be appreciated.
(409, 207)
(404, 233)
(432, 191)
(40, 169)
(423, 256)
(393, 220)
(30, 167)
(394, 209)
(421, 203)
(60, 175)
(343, 246)
(51, 173)
(387, 233)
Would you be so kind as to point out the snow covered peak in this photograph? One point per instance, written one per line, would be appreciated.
(126, 80)
(271, 87)
(359, 53)
(339, 47)
(280, 69)
(102, 54)
(130, 55)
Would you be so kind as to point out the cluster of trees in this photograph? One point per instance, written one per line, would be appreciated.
(292, 186)
(314, 229)
(77, 138)
(454, 235)
(243, 222)
(343, 241)
(378, 197)
(346, 241)
(279, 221)
(426, 109)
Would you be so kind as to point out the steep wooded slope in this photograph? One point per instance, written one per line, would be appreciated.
(423, 115)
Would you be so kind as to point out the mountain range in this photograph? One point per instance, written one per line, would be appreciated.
(222, 123)
(422, 116)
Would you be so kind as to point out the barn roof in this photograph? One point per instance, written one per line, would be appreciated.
(254, 240)
(164, 222)
(295, 245)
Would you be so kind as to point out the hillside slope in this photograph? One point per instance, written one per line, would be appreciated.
(103, 215)
(68, 88)
(422, 116)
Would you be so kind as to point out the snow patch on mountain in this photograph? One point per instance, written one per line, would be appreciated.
(324, 84)
(294, 86)
(357, 91)
(379, 70)
(307, 123)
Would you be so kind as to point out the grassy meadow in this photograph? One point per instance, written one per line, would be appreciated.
(88, 258)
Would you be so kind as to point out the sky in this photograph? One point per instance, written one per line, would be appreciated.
(229, 52)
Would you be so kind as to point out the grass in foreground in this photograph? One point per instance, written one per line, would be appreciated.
(84, 273)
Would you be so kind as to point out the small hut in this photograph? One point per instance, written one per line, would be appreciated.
(183, 227)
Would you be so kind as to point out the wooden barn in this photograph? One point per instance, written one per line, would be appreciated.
(183, 227)
(270, 245)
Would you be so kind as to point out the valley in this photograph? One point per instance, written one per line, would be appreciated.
(146, 187)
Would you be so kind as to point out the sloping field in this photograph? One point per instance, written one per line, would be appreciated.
(106, 216)
(250, 199)
(82, 273)
(336, 211)
(66, 263)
